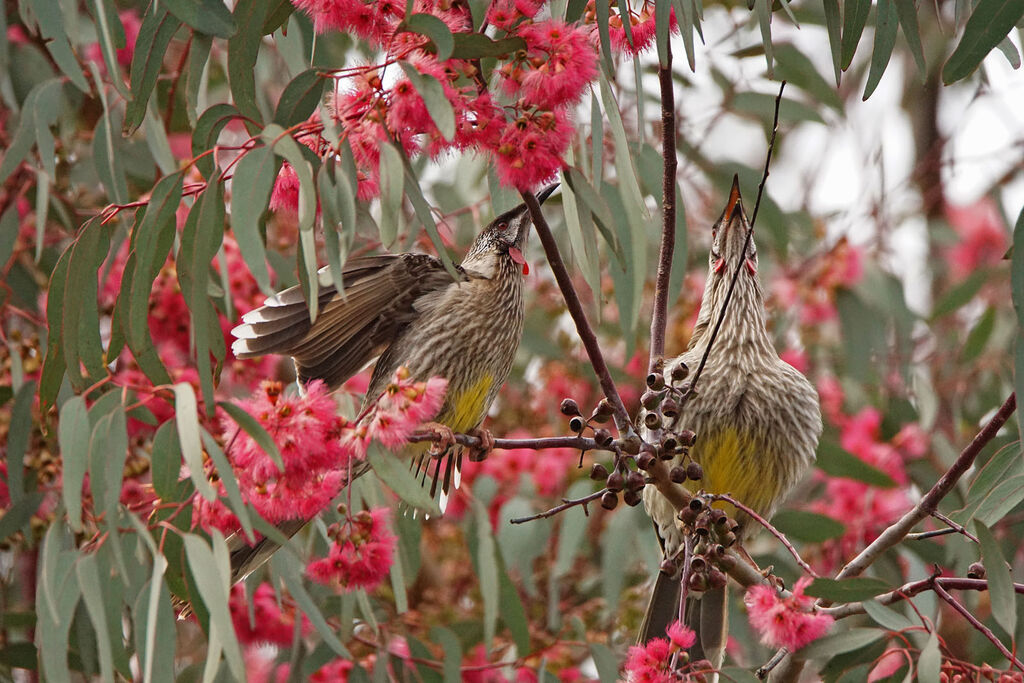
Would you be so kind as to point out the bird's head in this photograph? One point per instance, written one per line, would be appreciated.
(729, 244)
(505, 236)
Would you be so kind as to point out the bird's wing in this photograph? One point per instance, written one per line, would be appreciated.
(379, 299)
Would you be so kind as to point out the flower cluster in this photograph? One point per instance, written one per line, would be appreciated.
(307, 432)
(810, 290)
(361, 554)
(269, 622)
(983, 239)
(785, 622)
(865, 509)
(652, 661)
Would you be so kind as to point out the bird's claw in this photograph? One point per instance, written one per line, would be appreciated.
(478, 453)
(445, 438)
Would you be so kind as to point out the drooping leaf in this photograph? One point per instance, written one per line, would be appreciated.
(838, 643)
(906, 10)
(396, 476)
(838, 462)
(808, 527)
(847, 590)
(987, 26)
(213, 580)
(886, 21)
(432, 27)
(187, 422)
(250, 193)
(155, 33)
(1000, 580)
(480, 46)
(832, 25)
(300, 98)
(243, 48)
(432, 92)
(206, 16)
(855, 16)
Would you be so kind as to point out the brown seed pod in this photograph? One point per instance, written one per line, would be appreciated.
(698, 564)
(645, 461)
(669, 408)
(598, 472)
(679, 372)
(604, 411)
(635, 481)
(649, 399)
(631, 444)
(609, 500)
(603, 437)
(576, 424)
(656, 381)
(687, 438)
(694, 471)
(669, 566)
(687, 516)
(631, 498)
(615, 481)
(976, 571)
(569, 407)
(677, 474)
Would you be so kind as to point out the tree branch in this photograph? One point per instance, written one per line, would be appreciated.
(566, 504)
(909, 590)
(578, 442)
(659, 317)
(929, 503)
(771, 529)
(575, 306)
(973, 620)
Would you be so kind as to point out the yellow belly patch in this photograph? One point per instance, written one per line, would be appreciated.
(466, 408)
(737, 466)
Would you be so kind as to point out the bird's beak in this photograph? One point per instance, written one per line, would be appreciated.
(546, 192)
(735, 203)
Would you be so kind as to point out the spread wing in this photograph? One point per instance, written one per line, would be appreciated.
(380, 300)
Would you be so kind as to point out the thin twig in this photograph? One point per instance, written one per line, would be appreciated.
(953, 525)
(659, 317)
(973, 620)
(930, 501)
(766, 668)
(566, 504)
(909, 590)
(771, 529)
(578, 442)
(746, 245)
(575, 306)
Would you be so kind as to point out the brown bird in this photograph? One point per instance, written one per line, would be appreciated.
(756, 420)
(408, 310)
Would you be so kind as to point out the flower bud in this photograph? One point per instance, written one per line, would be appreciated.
(652, 421)
(598, 472)
(615, 482)
(656, 381)
(677, 474)
(569, 407)
(576, 424)
(694, 471)
(635, 481)
(609, 500)
(631, 498)
(603, 437)
(687, 438)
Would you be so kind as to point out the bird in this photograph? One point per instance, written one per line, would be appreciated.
(755, 418)
(406, 310)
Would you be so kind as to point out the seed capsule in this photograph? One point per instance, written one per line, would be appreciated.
(670, 444)
(687, 438)
(603, 437)
(727, 539)
(598, 472)
(669, 408)
(677, 474)
(635, 481)
(656, 381)
(698, 564)
(668, 566)
(631, 498)
(603, 411)
(698, 582)
(569, 407)
(576, 424)
(609, 500)
(976, 571)
(652, 421)
(615, 481)
(679, 372)
(631, 444)
(645, 461)
(649, 399)
(696, 504)
(718, 517)
(687, 516)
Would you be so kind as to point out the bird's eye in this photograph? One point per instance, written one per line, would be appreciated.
(502, 225)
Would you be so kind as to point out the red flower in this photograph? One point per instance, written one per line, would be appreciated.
(361, 555)
(785, 622)
(271, 622)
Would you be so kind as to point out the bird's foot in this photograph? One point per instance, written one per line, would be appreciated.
(445, 438)
(478, 453)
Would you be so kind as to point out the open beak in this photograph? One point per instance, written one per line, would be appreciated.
(546, 192)
(735, 203)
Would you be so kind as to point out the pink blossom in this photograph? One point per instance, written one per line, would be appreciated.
(361, 555)
(642, 27)
(891, 661)
(531, 148)
(559, 64)
(403, 407)
(649, 663)
(983, 238)
(131, 23)
(271, 622)
(785, 622)
(336, 671)
(681, 636)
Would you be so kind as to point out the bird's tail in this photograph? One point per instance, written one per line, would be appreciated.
(707, 616)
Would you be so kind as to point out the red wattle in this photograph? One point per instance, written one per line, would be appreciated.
(517, 256)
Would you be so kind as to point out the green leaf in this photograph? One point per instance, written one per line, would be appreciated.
(205, 135)
(391, 185)
(108, 451)
(796, 68)
(837, 462)
(762, 107)
(50, 16)
(187, 422)
(847, 590)
(432, 92)
(286, 566)
(887, 617)
(432, 27)
(571, 531)
(606, 663)
(300, 98)
(1005, 466)
(886, 22)
(959, 295)
(92, 594)
(243, 48)
(988, 25)
(929, 663)
(18, 435)
(213, 583)
(486, 569)
(154, 627)
(978, 336)
(1003, 498)
(254, 429)
(53, 363)
(808, 527)
(832, 645)
(832, 21)
(449, 642)
(229, 480)
(480, 46)
(1000, 580)
(24, 138)
(250, 193)
(763, 10)
(155, 33)
(855, 16)
(395, 474)
(907, 13)
(512, 612)
(17, 515)
(165, 458)
(109, 162)
(110, 33)
(206, 16)
(422, 209)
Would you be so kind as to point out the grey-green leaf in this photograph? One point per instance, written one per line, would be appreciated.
(432, 92)
(1000, 582)
(988, 25)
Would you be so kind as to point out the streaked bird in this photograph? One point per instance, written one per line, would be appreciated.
(756, 420)
(409, 311)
